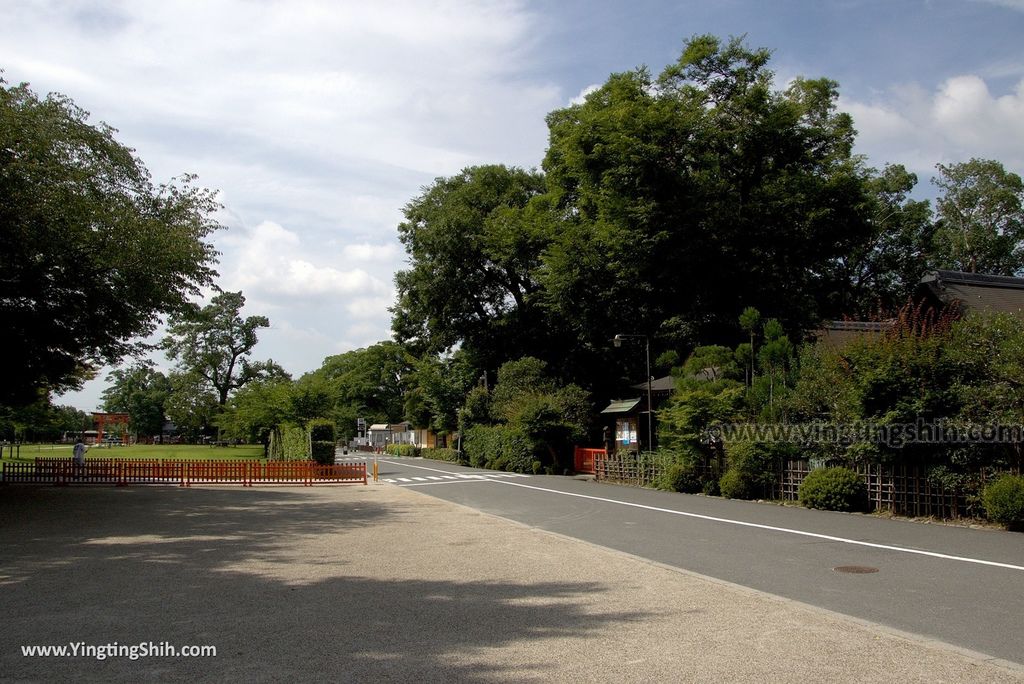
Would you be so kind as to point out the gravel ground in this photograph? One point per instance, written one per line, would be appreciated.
(379, 583)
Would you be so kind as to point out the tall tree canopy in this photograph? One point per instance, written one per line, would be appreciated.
(141, 391)
(981, 218)
(689, 196)
(474, 242)
(668, 204)
(880, 273)
(213, 343)
(93, 252)
(366, 383)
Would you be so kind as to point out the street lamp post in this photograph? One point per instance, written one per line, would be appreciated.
(617, 341)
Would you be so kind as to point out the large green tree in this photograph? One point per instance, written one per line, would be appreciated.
(213, 344)
(93, 252)
(474, 242)
(141, 391)
(689, 195)
(437, 389)
(370, 383)
(667, 205)
(41, 420)
(981, 218)
(878, 275)
(257, 409)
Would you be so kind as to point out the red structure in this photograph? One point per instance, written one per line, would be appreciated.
(104, 419)
(584, 459)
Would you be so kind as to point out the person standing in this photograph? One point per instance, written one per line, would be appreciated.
(78, 456)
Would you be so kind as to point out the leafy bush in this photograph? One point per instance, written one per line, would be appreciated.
(680, 477)
(321, 430)
(734, 484)
(1004, 501)
(834, 489)
(294, 443)
(753, 469)
(402, 450)
(500, 447)
(450, 455)
(323, 452)
(710, 487)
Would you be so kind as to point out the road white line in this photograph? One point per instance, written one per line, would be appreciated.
(486, 473)
(772, 528)
(446, 482)
(433, 477)
(420, 479)
(403, 479)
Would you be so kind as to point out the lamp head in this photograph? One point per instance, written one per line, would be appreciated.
(617, 341)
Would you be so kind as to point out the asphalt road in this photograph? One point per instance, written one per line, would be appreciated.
(959, 585)
(381, 583)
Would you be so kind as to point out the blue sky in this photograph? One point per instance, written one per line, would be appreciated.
(317, 121)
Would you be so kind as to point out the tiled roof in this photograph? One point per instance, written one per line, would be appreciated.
(622, 406)
(977, 292)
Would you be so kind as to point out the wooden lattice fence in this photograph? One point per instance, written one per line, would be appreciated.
(899, 489)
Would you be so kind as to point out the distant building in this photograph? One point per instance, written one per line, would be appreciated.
(962, 292)
(401, 433)
(378, 435)
(838, 334)
(972, 292)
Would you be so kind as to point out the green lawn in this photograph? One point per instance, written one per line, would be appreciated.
(201, 452)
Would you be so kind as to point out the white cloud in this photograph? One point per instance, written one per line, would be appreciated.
(959, 119)
(582, 96)
(273, 262)
(317, 119)
(365, 253)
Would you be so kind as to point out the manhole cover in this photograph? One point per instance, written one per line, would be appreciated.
(855, 569)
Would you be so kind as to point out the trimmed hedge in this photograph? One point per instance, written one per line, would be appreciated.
(500, 447)
(321, 440)
(321, 430)
(450, 455)
(294, 443)
(1004, 501)
(323, 452)
(834, 489)
(403, 450)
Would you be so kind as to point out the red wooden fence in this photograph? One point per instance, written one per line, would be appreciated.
(584, 459)
(121, 472)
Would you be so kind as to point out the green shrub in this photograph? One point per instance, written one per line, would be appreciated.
(450, 455)
(294, 443)
(1004, 501)
(710, 487)
(402, 450)
(321, 430)
(538, 467)
(323, 452)
(757, 465)
(834, 489)
(679, 477)
(500, 447)
(734, 484)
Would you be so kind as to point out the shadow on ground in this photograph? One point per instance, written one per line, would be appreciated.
(218, 566)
